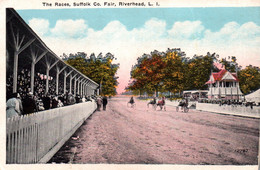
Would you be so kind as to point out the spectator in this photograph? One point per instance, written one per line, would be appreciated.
(71, 99)
(29, 104)
(83, 99)
(99, 102)
(54, 102)
(20, 106)
(46, 102)
(104, 101)
(61, 98)
(60, 104)
(77, 99)
(11, 104)
(40, 105)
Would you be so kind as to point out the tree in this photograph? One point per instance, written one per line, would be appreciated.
(249, 79)
(198, 70)
(100, 69)
(171, 71)
(230, 64)
(158, 71)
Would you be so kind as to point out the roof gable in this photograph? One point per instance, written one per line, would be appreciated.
(218, 76)
(221, 76)
(228, 76)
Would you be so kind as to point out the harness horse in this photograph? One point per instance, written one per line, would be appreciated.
(184, 106)
(153, 103)
(161, 104)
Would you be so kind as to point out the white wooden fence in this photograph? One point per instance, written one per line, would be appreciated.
(29, 138)
(228, 109)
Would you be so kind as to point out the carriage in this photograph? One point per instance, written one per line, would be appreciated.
(183, 105)
(160, 103)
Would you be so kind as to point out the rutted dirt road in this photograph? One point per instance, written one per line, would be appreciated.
(142, 135)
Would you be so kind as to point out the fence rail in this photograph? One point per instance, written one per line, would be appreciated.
(229, 109)
(29, 138)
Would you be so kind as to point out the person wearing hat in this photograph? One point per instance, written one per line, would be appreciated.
(12, 106)
(99, 103)
(29, 104)
(19, 108)
(46, 101)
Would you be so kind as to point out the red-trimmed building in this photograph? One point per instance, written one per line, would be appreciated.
(224, 85)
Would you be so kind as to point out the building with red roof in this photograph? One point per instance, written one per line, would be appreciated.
(224, 85)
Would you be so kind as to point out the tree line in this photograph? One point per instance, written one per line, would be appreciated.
(98, 68)
(172, 71)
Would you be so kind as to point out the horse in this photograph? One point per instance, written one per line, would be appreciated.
(161, 104)
(152, 102)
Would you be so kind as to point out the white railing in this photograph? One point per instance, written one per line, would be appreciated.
(224, 91)
(29, 138)
(229, 109)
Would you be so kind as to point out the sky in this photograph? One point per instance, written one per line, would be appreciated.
(128, 33)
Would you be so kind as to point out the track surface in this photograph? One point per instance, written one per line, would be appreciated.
(141, 135)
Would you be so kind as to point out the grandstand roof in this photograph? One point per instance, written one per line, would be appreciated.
(25, 28)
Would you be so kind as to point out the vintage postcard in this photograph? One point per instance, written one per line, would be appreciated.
(130, 84)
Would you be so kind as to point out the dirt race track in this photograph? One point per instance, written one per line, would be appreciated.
(141, 135)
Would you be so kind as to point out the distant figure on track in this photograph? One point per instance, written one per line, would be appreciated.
(99, 103)
(131, 102)
(104, 102)
(152, 102)
(161, 103)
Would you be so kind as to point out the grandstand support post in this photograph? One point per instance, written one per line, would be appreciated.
(82, 91)
(71, 78)
(87, 88)
(48, 68)
(57, 79)
(90, 88)
(70, 82)
(58, 71)
(84, 84)
(75, 85)
(35, 59)
(15, 72)
(78, 86)
(18, 48)
(81, 87)
(84, 87)
(88, 91)
(66, 74)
